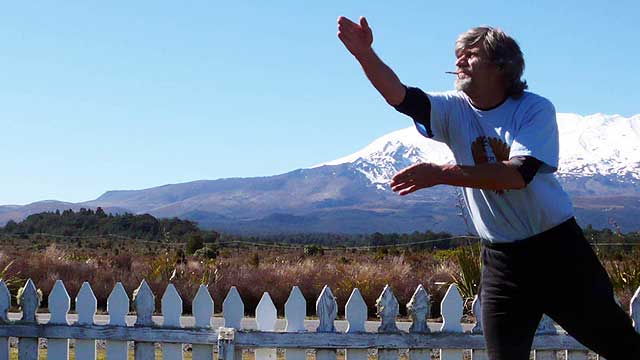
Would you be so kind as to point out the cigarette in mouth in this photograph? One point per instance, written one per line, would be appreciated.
(451, 72)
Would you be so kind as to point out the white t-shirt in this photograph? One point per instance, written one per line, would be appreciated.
(518, 127)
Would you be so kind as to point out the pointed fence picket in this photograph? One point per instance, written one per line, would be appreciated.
(355, 312)
(59, 306)
(5, 304)
(387, 310)
(86, 307)
(452, 306)
(233, 313)
(118, 308)
(202, 312)
(232, 339)
(144, 304)
(546, 327)
(295, 311)
(171, 312)
(327, 311)
(266, 316)
(418, 308)
(29, 301)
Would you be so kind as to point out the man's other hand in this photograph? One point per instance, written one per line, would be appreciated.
(416, 177)
(357, 38)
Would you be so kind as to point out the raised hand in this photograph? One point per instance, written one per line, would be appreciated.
(357, 38)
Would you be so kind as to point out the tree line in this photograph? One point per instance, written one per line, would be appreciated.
(90, 223)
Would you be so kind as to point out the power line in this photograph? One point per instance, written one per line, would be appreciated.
(261, 244)
(412, 243)
(363, 247)
(293, 247)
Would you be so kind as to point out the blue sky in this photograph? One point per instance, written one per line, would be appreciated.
(97, 96)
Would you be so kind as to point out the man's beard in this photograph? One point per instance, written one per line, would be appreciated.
(463, 84)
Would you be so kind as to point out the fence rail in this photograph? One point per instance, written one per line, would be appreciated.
(231, 339)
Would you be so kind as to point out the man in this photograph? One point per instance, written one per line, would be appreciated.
(505, 144)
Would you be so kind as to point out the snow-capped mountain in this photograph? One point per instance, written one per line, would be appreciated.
(385, 156)
(606, 145)
(599, 167)
(599, 144)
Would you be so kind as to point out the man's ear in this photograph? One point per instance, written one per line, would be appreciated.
(503, 63)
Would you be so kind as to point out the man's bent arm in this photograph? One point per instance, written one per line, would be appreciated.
(488, 176)
(382, 77)
(505, 175)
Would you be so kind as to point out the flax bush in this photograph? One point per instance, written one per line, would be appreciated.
(13, 281)
(624, 272)
(467, 278)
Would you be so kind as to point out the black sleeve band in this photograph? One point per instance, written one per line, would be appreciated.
(527, 166)
(416, 104)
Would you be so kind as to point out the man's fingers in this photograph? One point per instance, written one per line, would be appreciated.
(402, 187)
(364, 24)
(344, 21)
(408, 191)
(365, 27)
(347, 29)
(399, 185)
(397, 178)
(407, 174)
(396, 182)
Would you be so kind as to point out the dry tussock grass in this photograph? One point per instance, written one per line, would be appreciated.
(252, 271)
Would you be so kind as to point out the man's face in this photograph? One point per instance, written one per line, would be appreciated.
(475, 71)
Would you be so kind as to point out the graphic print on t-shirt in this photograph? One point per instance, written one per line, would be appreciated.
(489, 150)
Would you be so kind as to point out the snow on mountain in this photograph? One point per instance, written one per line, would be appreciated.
(600, 144)
(385, 156)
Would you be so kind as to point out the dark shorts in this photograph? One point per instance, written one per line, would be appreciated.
(558, 274)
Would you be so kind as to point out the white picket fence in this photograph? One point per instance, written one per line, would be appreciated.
(231, 339)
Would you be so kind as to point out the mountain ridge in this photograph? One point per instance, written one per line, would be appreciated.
(599, 159)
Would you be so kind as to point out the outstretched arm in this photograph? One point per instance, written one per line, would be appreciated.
(357, 38)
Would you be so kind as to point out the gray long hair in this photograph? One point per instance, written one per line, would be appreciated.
(502, 51)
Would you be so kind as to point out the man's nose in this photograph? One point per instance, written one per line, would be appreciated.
(461, 61)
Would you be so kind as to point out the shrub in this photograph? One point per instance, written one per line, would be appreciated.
(208, 252)
(194, 243)
(312, 250)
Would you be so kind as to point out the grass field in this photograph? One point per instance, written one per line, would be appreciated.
(255, 270)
